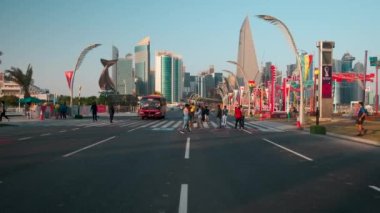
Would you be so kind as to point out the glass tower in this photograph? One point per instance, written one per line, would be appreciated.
(169, 76)
(125, 81)
(347, 87)
(142, 67)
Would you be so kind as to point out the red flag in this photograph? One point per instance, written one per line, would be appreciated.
(69, 77)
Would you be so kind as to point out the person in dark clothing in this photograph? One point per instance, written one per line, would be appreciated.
(3, 111)
(94, 110)
(219, 116)
(111, 111)
(238, 117)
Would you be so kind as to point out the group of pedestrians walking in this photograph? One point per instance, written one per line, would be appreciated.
(199, 114)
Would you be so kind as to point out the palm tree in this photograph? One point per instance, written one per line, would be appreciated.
(24, 80)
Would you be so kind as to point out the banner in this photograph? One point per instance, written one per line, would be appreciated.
(326, 81)
(69, 77)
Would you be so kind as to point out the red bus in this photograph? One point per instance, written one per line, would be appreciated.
(152, 106)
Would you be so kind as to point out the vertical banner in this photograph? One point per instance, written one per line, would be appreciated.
(69, 77)
(326, 81)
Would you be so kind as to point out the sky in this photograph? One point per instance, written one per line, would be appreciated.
(50, 34)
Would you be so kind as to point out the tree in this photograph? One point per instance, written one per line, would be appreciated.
(24, 80)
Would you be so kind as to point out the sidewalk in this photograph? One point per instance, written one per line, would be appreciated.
(344, 128)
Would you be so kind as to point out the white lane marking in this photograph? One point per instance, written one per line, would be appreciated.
(158, 124)
(247, 131)
(23, 139)
(149, 124)
(46, 134)
(214, 124)
(87, 147)
(183, 199)
(187, 152)
(168, 124)
(131, 130)
(374, 187)
(130, 124)
(75, 129)
(289, 150)
(265, 128)
(176, 125)
(62, 131)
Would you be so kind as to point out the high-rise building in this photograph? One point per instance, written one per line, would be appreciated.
(347, 87)
(337, 68)
(218, 77)
(169, 76)
(142, 66)
(247, 68)
(125, 83)
(115, 55)
(358, 85)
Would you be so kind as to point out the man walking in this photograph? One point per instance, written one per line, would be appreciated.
(111, 111)
(224, 116)
(362, 113)
(3, 111)
(94, 110)
(219, 116)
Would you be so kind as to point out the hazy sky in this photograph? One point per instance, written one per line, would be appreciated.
(50, 34)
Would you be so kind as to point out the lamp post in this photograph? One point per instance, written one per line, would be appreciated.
(292, 44)
(245, 77)
(251, 85)
(80, 89)
(375, 63)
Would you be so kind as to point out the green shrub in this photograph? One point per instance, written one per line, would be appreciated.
(316, 129)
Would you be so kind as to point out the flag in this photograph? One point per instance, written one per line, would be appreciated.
(69, 77)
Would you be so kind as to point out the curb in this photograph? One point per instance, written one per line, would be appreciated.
(358, 140)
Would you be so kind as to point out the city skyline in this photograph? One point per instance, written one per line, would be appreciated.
(49, 35)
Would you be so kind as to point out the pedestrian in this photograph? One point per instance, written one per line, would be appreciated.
(237, 117)
(63, 110)
(191, 114)
(3, 108)
(362, 113)
(56, 111)
(186, 121)
(219, 116)
(94, 110)
(207, 113)
(198, 116)
(242, 120)
(111, 111)
(224, 116)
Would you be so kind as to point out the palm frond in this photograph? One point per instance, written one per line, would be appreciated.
(83, 54)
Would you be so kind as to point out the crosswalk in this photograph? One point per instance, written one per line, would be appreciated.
(171, 125)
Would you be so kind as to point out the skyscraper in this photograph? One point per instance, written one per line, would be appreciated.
(169, 76)
(347, 87)
(115, 55)
(247, 56)
(142, 66)
(125, 83)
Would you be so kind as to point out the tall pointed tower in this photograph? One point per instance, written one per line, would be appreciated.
(247, 56)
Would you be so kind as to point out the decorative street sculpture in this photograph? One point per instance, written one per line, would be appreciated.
(105, 82)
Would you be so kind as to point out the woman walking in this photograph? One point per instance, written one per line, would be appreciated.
(186, 120)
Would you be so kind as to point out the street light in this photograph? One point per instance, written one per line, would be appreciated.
(244, 81)
(376, 63)
(293, 46)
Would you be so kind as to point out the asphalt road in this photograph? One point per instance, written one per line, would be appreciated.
(148, 166)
